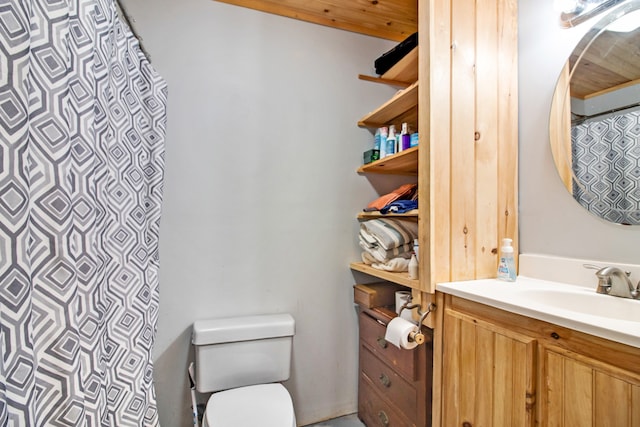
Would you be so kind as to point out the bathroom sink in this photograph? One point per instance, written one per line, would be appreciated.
(585, 301)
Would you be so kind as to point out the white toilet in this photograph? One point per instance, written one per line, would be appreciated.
(242, 360)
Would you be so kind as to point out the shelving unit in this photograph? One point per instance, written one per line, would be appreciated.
(402, 107)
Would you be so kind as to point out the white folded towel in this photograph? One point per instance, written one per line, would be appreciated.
(389, 232)
(394, 265)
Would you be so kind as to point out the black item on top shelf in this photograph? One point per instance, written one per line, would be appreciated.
(391, 57)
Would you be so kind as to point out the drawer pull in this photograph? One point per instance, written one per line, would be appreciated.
(384, 380)
(384, 420)
(382, 343)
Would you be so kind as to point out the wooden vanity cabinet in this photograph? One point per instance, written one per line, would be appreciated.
(488, 373)
(577, 390)
(394, 384)
(503, 369)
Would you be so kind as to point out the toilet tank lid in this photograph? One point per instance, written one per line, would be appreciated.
(243, 328)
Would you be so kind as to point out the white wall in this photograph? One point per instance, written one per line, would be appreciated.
(551, 222)
(261, 192)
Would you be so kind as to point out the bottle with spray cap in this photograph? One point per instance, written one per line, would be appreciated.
(391, 141)
(507, 264)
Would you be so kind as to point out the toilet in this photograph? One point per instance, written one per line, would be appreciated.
(242, 360)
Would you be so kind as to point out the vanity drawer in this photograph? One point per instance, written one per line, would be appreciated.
(388, 383)
(372, 334)
(376, 411)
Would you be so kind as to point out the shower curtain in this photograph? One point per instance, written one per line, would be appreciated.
(82, 125)
(605, 157)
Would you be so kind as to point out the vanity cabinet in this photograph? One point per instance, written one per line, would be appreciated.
(504, 369)
(394, 384)
(489, 373)
(582, 391)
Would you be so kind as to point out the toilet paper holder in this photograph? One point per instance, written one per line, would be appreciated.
(418, 336)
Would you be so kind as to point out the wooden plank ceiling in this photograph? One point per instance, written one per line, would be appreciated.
(388, 19)
(611, 61)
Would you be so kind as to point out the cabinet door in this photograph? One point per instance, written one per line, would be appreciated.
(488, 374)
(579, 391)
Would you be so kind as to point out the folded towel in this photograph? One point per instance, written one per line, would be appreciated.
(405, 191)
(383, 255)
(389, 232)
(395, 264)
(400, 206)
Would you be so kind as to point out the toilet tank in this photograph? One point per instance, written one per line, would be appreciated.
(239, 351)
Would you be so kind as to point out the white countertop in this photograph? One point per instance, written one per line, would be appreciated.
(571, 306)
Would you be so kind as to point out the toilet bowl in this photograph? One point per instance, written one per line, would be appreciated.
(264, 405)
(242, 361)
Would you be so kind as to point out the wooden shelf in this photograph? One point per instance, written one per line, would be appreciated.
(402, 163)
(376, 214)
(405, 70)
(399, 278)
(403, 107)
(404, 73)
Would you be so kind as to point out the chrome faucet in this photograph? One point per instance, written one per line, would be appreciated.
(615, 282)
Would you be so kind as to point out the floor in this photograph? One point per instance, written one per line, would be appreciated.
(346, 421)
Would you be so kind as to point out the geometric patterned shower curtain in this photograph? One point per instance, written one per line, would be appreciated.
(605, 161)
(82, 126)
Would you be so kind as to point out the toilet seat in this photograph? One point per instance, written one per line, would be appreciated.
(264, 405)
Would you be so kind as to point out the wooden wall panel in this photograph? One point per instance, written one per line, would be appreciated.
(486, 137)
(435, 185)
(508, 122)
(463, 127)
(483, 140)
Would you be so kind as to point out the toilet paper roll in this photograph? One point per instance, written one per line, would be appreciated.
(401, 298)
(398, 331)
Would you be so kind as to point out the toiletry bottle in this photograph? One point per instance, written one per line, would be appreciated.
(414, 139)
(391, 141)
(413, 267)
(507, 264)
(405, 137)
(376, 140)
(383, 142)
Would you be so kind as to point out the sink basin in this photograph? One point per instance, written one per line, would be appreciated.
(586, 302)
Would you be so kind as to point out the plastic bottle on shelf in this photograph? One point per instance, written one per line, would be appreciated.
(383, 142)
(391, 141)
(507, 264)
(416, 248)
(405, 137)
(413, 267)
(414, 139)
(376, 140)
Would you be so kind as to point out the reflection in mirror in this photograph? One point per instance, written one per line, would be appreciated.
(595, 118)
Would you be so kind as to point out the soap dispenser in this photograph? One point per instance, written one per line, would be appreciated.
(507, 264)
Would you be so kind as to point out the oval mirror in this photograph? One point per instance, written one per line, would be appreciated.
(594, 125)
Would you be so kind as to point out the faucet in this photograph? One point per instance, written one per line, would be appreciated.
(608, 285)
